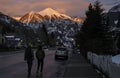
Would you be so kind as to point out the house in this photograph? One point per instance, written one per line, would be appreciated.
(11, 40)
(113, 18)
(113, 15)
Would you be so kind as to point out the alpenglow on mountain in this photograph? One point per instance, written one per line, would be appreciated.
(45, 14)
(51, 13)
(31, 17)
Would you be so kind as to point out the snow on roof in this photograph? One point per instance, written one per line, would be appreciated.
(116, 21)
(10, 36)
(115, 29)
(116, 59)
(17, 39)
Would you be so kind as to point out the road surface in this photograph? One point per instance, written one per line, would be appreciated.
(12, 65)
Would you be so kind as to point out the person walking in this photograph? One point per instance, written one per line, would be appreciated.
(29, 57)
(40, 55)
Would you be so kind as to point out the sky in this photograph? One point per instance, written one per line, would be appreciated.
(69, 7)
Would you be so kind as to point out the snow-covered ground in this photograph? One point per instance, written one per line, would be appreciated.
(110, 65)
(116, 59)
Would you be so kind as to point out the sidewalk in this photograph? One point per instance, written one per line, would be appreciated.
(77, 67)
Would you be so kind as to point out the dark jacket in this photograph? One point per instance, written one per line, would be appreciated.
(28, 56)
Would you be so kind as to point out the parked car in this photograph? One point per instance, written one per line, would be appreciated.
(78, 51)
(61, 53)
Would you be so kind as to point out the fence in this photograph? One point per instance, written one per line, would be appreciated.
(105, 64)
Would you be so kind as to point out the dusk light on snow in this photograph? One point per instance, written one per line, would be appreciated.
(60, 39)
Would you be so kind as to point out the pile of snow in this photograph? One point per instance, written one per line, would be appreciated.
(116, 59)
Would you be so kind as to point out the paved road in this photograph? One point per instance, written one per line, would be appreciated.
(13, 66)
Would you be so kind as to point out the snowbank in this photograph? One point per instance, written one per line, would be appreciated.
(116, 59)
(110, 65)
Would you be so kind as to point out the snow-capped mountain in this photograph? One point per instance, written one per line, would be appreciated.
(116, 8)
(46, 14)
(9, 20)
(53, 14)
(16, 17)
(12, 25)
(52, 20)
(31, 17)
(79, 19)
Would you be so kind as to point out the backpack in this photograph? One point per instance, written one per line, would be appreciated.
(40, 54)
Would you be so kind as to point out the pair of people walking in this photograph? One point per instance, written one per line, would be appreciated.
(29, 57)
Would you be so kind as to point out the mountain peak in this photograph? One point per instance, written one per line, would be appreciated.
(31, 17)
(49, 12)
(50, 9)
(46, 14)
(32, 12)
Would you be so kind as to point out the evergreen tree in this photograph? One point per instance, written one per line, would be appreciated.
(43, 35)
(118, 24)
(86, 31)
(86, 28)
(118, 33)
(94, 31)
(5, 28)
(52, 40)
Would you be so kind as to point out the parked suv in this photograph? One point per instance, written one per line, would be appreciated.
(61, 53)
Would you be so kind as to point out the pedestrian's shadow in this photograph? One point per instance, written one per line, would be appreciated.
(39, 76)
